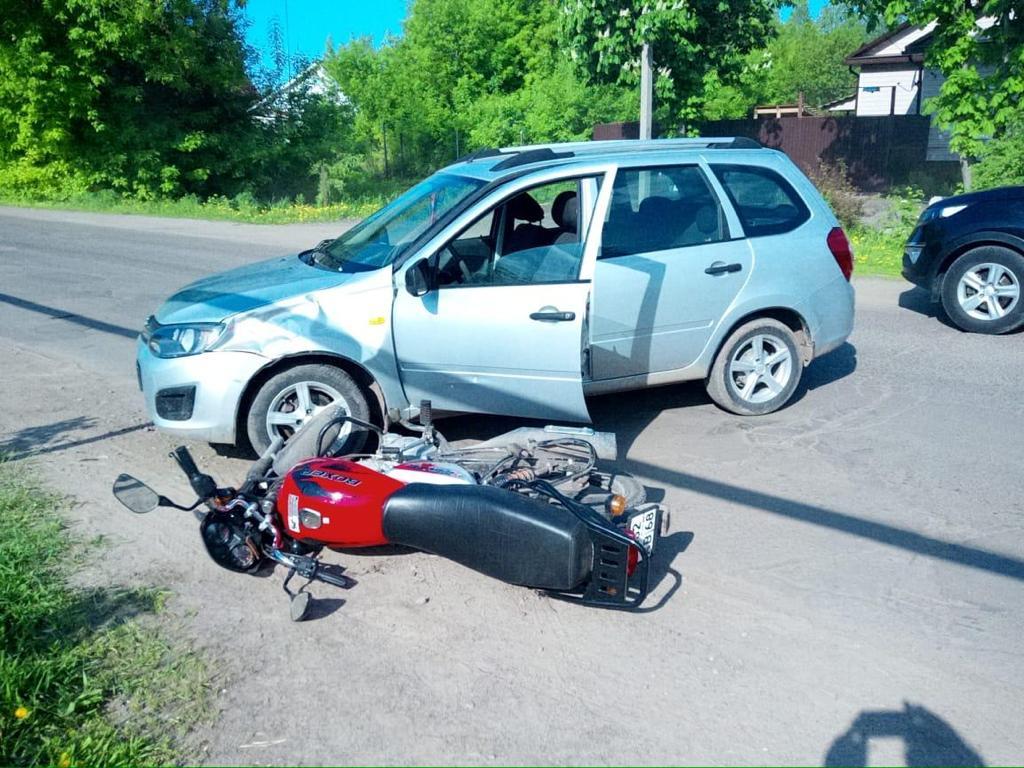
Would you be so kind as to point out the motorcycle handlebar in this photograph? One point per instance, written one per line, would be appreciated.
(202, 484)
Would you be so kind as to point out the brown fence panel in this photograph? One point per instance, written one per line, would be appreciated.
(878, 151)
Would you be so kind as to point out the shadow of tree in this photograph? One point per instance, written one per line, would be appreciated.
(89, 611)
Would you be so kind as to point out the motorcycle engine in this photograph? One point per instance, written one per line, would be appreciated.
(228, 542)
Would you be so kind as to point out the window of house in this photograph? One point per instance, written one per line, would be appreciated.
(765, 202)
(659, 209)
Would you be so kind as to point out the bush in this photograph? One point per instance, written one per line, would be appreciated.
(1002, 164)
(833, 181)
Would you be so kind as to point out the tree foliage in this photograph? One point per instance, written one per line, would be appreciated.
(1002, 159)
(133, 95)
(467, 74)
(983, 64)
(689, 41)
(804, 55)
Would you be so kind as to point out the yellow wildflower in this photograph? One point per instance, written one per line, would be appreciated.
(21, 713)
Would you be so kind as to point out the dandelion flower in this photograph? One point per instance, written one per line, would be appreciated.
(21, 713)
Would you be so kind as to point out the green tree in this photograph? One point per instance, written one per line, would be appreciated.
(979, 48)
(805, 56)
(143, 96)
(466, 74)
(688, 40)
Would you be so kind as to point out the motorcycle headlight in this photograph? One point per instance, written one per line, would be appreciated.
(180, 340)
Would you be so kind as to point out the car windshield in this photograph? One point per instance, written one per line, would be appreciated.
(378, 240)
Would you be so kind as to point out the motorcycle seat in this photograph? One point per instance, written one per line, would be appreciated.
(499, 533)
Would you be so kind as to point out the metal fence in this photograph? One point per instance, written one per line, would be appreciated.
(879, 152)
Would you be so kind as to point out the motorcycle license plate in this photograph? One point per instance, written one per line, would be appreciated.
(644, 526)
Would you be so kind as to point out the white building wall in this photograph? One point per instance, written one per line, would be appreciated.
(877, 85)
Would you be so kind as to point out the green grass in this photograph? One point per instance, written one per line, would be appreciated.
(217, 208)
(879, 251)
(87, 676)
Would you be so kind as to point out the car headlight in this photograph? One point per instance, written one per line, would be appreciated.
(950, 210)
(938, 210)
(180, 340)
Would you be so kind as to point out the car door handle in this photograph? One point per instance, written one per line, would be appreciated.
(720, 268)
(553, 315)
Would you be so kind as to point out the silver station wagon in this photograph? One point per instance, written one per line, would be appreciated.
(517, 282)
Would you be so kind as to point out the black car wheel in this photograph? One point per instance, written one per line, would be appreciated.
(981, 292)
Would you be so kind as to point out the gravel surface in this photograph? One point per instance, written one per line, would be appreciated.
(843, 582)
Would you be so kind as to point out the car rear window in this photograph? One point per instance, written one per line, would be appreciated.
(764, 201)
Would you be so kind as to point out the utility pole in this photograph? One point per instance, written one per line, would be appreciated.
(646, 92)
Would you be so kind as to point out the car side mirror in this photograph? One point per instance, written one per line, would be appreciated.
(419, 278)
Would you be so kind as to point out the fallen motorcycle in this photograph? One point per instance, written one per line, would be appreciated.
(529, 508)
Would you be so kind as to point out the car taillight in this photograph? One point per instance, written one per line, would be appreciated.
(841, 250)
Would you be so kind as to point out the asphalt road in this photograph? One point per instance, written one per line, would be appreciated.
(843, 584)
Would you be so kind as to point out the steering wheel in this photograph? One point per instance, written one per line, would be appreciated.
(455, 269)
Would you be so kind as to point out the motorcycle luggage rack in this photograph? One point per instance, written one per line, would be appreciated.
(609, 585)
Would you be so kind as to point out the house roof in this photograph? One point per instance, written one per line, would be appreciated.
(844, 104)
(906, 43)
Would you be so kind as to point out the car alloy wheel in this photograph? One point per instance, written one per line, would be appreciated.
(299, 402)
(760, 369)
(988, 291)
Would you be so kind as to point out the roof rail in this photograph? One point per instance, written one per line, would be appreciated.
(646, 145)
(527, 156)
(479, 155)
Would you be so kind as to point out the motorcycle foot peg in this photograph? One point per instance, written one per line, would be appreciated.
(299, 606)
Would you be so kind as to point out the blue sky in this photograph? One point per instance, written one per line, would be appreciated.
(308, 23)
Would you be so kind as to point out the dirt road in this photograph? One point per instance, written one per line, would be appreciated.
(859, 550)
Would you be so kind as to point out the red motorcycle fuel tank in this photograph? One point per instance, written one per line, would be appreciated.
(335, 502)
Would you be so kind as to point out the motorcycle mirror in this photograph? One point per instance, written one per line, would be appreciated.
(299, 606)
(135, 494)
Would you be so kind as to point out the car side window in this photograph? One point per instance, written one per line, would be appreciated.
(764, 201)
(536, 236)
(660, 209)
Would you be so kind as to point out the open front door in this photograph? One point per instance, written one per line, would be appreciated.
(501, 330)
(512, 350)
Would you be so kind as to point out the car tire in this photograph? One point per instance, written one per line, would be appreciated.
(304, 390)
(765, 349)
(981, 291)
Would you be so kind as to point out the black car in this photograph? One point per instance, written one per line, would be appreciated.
(968, 251)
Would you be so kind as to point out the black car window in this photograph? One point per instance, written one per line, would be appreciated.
(660, 209)
(765, 202)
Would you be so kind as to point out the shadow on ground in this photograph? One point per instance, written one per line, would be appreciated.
(52, 438)
(919, 300)
(927, 739)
